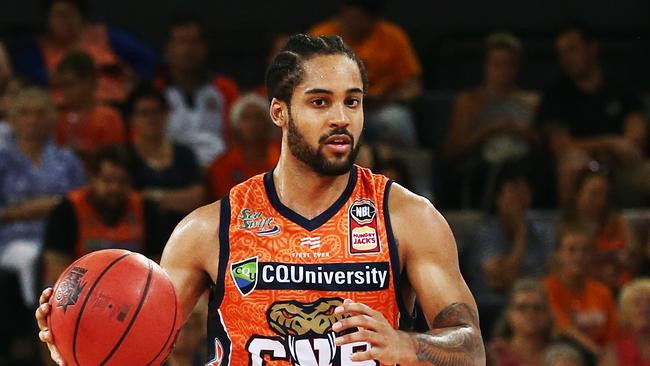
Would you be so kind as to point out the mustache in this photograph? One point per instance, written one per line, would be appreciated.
(336, 131)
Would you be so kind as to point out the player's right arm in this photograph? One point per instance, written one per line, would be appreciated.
(191, 255)
(190, 259)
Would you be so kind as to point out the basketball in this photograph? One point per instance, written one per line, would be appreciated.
(114, 307)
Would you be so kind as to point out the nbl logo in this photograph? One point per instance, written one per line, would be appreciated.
(362, 227)
(363, 211)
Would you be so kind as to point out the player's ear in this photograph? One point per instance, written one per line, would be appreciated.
(279, 112)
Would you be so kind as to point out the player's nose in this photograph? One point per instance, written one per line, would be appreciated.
(339, 116)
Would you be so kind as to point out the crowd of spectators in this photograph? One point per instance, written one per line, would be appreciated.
(103, 145)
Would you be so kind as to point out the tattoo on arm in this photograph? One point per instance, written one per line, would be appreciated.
(454, 338)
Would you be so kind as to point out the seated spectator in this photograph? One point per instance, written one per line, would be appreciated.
(509, 245)
(497, 116)
(587, 115)
(583, 308)
(104, 214)
(615, 241)
(391, 63)
(84, 124)
(525, 332)
(632, 347)
(253, 151)
(563, 355)
(490, 124)
(34, 176)
(116, 52)
(199, 100)
(164, 172)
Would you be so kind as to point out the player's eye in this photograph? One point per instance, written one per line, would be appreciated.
(352, 102)
(319, 102)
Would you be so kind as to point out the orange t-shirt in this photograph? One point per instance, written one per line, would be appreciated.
(94, 234)
(96, 43)
(231, 168)
(387, 54)
(591, 310)
(281, 275)
(87, 132)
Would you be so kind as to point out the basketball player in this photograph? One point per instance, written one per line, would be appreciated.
(305, 264)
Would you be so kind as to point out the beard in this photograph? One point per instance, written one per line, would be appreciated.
(316, 159)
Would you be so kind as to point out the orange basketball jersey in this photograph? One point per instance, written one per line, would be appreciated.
(281, 275)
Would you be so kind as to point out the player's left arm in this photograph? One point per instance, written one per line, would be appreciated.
(428, 254)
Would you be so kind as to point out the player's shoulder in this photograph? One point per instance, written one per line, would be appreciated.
(403, 202)
(200, 225)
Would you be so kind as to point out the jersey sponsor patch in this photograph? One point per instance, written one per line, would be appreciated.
(363, 237)
(250, 275)
(257, 223)
(244, 274)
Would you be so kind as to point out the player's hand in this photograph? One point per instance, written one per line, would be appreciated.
(388, 345)
(45, 335)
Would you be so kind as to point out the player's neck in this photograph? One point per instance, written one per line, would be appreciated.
(304, 191)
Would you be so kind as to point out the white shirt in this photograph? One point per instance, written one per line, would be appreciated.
(200, 127)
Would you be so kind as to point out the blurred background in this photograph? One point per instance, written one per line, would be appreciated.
(525, 123)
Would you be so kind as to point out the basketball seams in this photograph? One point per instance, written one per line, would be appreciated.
(135, 315)
(83, 306)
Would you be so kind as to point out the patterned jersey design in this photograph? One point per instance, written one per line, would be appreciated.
(283, 275)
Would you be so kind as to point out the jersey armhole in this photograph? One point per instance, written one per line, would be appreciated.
(219, 287)
(405, 316)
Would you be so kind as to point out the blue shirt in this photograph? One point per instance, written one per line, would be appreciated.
(21, 180)
(491, 242)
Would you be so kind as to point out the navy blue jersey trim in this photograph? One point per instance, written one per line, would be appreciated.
(216, 330)
(224, 252)
(406, 318)
(319, 220)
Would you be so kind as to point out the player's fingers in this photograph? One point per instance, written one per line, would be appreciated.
(362, 335)
(356, 307)
(41, 315)
(45, 336)
(362, 356)
(55, 356)
(357, 321)
(45, 295)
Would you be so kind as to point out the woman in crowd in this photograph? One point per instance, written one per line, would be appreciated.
(34, 175)
(524, 334)
(614, 239)
(583, 308)
(166, 172)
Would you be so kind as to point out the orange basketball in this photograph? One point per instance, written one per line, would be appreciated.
(114, 307)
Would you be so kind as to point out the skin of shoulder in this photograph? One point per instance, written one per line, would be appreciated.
(191, 255)
(427, 252)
